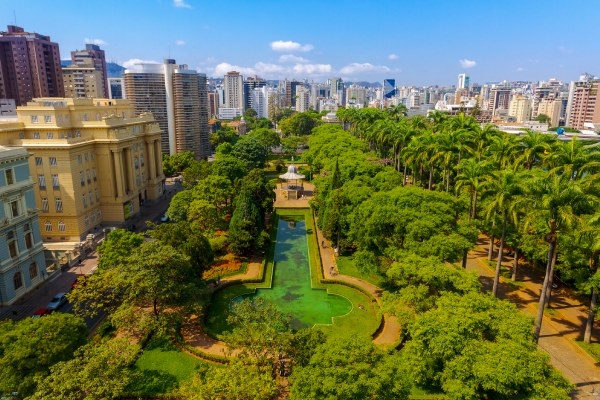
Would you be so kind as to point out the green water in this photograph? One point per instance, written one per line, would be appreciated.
(291, 289)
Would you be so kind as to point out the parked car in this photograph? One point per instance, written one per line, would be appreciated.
(164, 218)
(57, 301)
(41, 312)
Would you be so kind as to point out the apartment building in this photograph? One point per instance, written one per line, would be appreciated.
(94, 162)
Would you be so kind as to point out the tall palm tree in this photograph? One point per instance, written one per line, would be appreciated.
(502, 150)
(534, 146)
(589, 239)
(506, 186)
(559, 201)
(472, 176)
(575, 158)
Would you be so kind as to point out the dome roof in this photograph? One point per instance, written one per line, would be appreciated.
(292, 169)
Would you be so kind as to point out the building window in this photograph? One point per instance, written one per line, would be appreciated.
(12, 245)
(36, 135)
(21, 135)
(84, 117)
(142, 161)
(87, 175)
(90, 196)
(81, 178)
(85, 156)
(58, 204)
(49, 135)
(28, 240)
(77, 133)
(84, 200)
(34, 119)
(47, 119)
(94, 174)
(53, 162)
(59, 119)
(33, 271)
(42, 181)
(78, 158)
(55, 182)
(48, 226)
(136, 163)
(61, 226)
(15, 208)
(39, 161)
(45, 204)
(9, 176)
(17, 280)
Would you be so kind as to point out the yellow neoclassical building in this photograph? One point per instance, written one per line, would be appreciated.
(94, 162)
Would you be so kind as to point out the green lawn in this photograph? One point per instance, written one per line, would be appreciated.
(346, 267)
(163, 368)
(593, 349)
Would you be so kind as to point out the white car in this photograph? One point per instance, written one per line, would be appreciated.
(164, 218)
(57, 301)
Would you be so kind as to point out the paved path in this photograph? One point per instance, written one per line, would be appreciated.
(560, 327)
(387, 336)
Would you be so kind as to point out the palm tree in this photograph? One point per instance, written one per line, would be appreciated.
(502, 150)
(471, 175)
(589, 239)
(559, 201)
(535, 146)
(507, 187)
(575, 158)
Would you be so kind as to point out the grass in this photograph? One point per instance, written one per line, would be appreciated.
(363, 319)
(346, 267)
(593, 349)
(163, 367)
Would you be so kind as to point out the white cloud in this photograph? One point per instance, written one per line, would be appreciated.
(465, 63)
(289, 46)
(135, 61)
(290, 58)
(98, 42)
(358, 68)
(181, 4)
(180, 42)
(393, 57)
(312, 69)
(223, 68)
(520, 69)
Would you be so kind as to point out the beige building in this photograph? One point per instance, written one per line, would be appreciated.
(93, 161)
(520, 108)
(83, 80)
(552, 108)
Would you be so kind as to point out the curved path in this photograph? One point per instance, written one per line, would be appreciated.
(389, 335)
(561, 326)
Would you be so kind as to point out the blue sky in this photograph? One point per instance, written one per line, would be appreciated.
(419, 42)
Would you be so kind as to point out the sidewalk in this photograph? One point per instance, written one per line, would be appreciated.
(561, 326)
(60, 281)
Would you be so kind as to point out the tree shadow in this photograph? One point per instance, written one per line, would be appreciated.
(152, 382)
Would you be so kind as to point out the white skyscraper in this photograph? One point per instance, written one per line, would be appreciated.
(233, 85)
(463, 81)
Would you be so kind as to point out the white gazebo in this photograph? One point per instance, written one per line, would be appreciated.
(293, 187)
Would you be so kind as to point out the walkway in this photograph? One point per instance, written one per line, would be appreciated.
(561, 326)
(387, 336)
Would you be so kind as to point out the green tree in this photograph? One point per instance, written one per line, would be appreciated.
(178, 207)
(177, 163)
(246, 224)
(299, 124)
(98, 372)
(236, 381)
(543, 118)
(260, 333)
(350, 369)
(250, 150)
(230, 167)
(557, 200)
(267, 137)
(29, 348)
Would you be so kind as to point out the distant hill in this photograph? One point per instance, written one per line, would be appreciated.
(113, 70)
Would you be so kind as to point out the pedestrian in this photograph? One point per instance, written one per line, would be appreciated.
(323, 244)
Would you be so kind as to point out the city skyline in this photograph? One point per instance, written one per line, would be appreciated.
(421, 43)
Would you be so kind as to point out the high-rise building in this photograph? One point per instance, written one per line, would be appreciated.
(499, 99)
(583, 104)
(251, 83)
(356, 96)
(29, 66)
(22, 263)
(520, 108)
(463, 81)
(233, 85)
(93, 56)
(213, 104)
(389, 88)
(552, 108)
(115, 88)
(302, 99)
(95, 161)
(337, 91)
(83, 80)
(177, 98)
